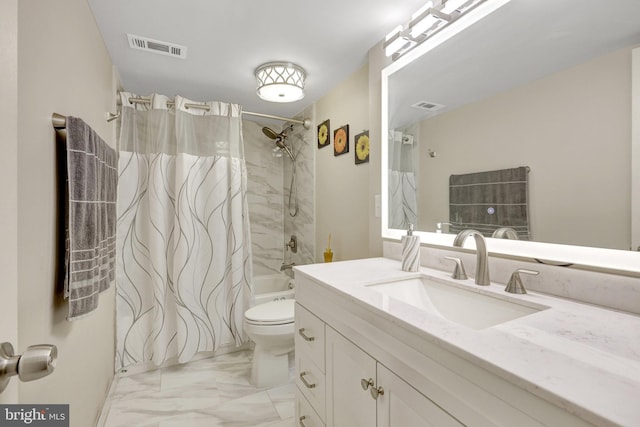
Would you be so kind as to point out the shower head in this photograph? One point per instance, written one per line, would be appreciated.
(271, 133)
(279, 138)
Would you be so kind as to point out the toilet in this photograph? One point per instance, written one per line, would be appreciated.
(270, 326)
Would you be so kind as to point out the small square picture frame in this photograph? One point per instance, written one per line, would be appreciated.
(361, 144)
(341, 140)
(324, 134)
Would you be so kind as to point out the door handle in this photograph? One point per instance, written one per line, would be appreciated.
(36, 362)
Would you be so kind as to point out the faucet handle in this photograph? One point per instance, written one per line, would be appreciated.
(515, 285)
(458, 271)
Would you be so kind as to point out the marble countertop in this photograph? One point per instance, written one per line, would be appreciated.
(582, 358)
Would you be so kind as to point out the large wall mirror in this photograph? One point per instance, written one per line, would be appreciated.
(542, 89)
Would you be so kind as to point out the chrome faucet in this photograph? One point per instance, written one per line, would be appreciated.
(482, 257)
(505, 233)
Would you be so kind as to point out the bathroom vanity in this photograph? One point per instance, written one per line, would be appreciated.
(376, 346)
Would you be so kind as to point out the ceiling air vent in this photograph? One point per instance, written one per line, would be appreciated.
(156, 46)
(429, 106)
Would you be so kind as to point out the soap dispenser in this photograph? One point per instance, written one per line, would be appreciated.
(410, 251)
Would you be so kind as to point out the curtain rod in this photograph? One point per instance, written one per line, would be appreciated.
(60, 122)
(306, 122)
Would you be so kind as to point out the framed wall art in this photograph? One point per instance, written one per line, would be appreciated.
(324, 130)
(361, 142)
(341, 140)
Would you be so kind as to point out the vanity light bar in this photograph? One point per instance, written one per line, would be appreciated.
(394, 41)
(453, 5)
(434, 16)
(422, 20)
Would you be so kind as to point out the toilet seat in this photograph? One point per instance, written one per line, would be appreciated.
(271, 313)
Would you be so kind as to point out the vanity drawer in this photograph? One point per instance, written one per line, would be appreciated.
(311, 382)
(305, 415)
(309, 335)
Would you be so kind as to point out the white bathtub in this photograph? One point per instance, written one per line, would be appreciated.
(272, 287)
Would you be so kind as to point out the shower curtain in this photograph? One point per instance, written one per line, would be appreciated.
(183, 237)
(403, 204)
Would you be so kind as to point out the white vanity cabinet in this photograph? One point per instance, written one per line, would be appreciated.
(402, 405)
(347, 365)
(362, 392)
(310, 368)
(343, 339)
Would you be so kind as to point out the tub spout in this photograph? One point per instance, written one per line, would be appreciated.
(284, 267)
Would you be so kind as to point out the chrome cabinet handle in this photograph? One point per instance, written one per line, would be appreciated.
(365, 384)
(301, 421)
(375, 392)
(306, 384)
(305, 336)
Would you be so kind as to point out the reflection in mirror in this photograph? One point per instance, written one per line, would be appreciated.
(403, 179)
(522, 88)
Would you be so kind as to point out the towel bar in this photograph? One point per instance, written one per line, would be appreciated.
(58, 121)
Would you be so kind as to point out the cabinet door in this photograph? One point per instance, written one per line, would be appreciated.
(348, 404)
(305, 415)
(403, 406)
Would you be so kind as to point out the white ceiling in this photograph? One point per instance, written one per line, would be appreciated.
(227, 39)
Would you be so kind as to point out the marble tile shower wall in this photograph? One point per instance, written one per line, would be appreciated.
(303, 224)
(265, 191)
(269, 180)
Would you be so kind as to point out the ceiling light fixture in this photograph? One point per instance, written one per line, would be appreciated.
(280, 82)
(433, 17)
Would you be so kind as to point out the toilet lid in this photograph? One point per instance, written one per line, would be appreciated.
(274, 312)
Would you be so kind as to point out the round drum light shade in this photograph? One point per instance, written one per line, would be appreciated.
(280, 82)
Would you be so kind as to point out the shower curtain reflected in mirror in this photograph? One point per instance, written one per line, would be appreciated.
(403, 164)
(183, 237)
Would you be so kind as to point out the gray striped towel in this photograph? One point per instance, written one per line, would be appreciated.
(486, 201)
(92, 177)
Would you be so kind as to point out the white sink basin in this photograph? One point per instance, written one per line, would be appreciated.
(457, 303)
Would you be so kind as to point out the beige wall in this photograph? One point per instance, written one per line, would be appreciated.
(342, 209)
(571, 128)
(635, 149)
(342, 187)
(377, 61)
(64, 67)
(9, 180)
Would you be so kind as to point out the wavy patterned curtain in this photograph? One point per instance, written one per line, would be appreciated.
(403, 158)
(183, 237)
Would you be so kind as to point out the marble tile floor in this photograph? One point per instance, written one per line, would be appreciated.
(212, 392)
